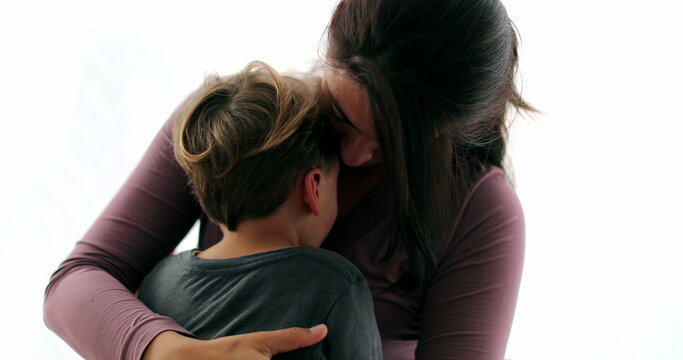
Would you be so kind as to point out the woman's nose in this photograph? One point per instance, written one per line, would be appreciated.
(357, 150)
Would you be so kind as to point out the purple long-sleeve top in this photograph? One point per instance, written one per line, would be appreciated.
(465, 312)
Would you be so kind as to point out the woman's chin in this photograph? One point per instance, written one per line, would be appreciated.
(365, 164)
(362, 162)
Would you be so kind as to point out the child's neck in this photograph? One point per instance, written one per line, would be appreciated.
(252, 237)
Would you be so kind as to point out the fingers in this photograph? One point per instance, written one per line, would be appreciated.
(279, 341)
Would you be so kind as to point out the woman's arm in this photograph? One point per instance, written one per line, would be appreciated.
(262, 345)
(89, 301)
(469, 304)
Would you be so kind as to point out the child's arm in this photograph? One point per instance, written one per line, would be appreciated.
(353, 332)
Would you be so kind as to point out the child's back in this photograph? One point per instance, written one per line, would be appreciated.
(300, 286)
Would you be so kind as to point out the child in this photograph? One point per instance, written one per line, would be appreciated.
(263, 165)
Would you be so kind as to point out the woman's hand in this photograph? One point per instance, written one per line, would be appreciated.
(170, 345)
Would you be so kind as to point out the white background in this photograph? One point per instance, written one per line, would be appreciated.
(84, 86)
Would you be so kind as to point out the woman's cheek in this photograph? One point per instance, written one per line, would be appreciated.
(344, 151)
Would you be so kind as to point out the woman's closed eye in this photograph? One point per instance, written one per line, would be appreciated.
(339, 117)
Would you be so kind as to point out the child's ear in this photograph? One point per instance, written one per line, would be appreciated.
(312, 179)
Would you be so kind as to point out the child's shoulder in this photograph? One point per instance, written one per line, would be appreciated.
(334, 262)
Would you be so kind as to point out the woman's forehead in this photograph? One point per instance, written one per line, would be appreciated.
(350, 98)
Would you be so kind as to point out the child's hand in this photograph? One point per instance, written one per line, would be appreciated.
(170, 345)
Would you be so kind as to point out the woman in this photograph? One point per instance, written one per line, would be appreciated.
(419, 93)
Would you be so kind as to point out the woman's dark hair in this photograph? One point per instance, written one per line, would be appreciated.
(439, 76)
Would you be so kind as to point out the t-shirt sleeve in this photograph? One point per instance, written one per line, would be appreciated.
(469, 304)
(352, 327)
(89, 300)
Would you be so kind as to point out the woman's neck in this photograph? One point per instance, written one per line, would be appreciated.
(354, 183)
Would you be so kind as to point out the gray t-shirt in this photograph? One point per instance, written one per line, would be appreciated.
(301, 286)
